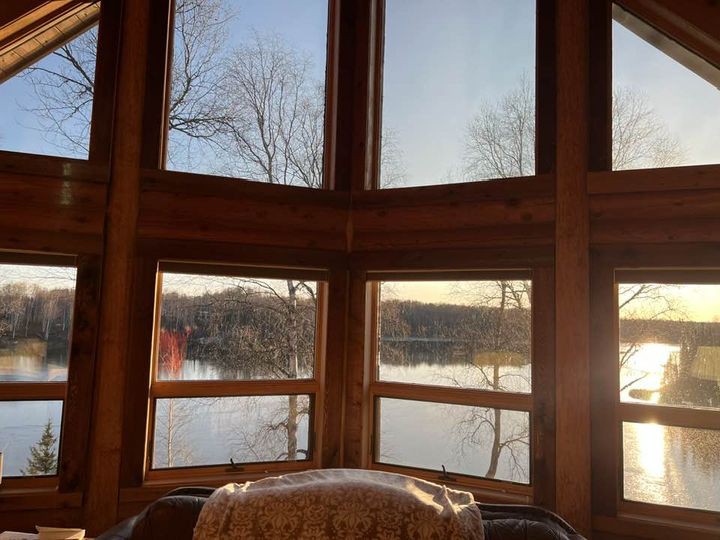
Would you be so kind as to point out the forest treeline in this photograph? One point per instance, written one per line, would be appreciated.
(33, 312)
(232, 325)
(255, 332)
(664, 331)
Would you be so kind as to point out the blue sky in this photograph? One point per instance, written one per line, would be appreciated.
(687, 104)
(441, 65)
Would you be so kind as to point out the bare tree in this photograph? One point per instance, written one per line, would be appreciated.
(647, 303)
(639, 138)
(63, 89)
(197, 110)
(393, 172)
(500, 139)
(63, 93)
(173, 418)
(275, 132)
(506, 307)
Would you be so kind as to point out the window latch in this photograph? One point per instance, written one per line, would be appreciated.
(235, 467)
(446, 476)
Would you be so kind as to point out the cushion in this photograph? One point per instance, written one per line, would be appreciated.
(339, 503)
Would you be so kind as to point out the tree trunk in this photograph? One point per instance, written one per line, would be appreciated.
(496, 448)
(293, 368)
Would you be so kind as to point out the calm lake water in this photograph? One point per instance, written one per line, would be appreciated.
(662, 464)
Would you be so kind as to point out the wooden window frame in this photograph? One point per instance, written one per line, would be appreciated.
(312, 387)
(611, 511)
(540, 487)
(75, 415)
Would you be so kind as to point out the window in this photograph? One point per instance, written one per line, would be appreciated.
(47, 86)
(458, 92)
(669, 383)
(36, 313)
(235, 374)
(452, 378)
(247, 94)
(666, 102)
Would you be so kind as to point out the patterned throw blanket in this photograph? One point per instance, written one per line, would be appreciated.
(339, 503)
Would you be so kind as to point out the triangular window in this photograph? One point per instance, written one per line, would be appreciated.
(666, 99)
(47, 74)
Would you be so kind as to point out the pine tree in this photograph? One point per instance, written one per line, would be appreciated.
(43, 457)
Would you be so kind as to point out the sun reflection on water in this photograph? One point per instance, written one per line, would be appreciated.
(644, 369)
(651, 449)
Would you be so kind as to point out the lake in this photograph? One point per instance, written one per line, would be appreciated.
(662, 464)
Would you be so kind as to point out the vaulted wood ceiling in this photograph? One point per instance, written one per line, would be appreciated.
(31, 30)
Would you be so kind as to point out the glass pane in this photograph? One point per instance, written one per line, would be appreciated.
(211, 431)
(248, 90)
(670, 344)
(477, 441)
(36, 309)
(470, 334)
(46, 108)
(672, 465)
(29, 437)
(458, 99)
(218, 327)
(666, 100)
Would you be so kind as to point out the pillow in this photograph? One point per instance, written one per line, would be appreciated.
(339, 503)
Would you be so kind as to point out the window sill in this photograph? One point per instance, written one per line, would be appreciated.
(37, 498)
(645, 526)
(486, 491)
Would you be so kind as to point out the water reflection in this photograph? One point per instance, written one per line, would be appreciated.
(211, 431)
(21, 427)
(461, 438)
(671, 465)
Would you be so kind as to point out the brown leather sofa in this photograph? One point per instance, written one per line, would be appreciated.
(174, 516)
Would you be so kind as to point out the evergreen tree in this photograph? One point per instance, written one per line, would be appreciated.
(43, 457)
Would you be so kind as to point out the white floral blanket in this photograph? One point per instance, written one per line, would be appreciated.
(339, 503)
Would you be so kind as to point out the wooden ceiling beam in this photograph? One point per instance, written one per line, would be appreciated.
(42, 27)
(688, 31)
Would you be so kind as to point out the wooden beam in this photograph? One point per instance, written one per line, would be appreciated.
(687, 31)
(356, 86)
(695, 177)
(600, 104)
(78, 405)
(357, 373)
(572, 266)
(101, 125)
(543, 387)
(605, 388)
(157, 88)
(40, 30)
(101, 497)
(545, 114)
(336, 321)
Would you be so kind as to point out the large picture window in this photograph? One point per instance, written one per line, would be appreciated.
(458, 92)
(669, 388)
(36, 316)
(47, 81)
(665, 101)
(247, 90)
(452, 378)
(235, 373)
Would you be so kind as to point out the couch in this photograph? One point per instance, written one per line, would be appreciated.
(174, 516)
